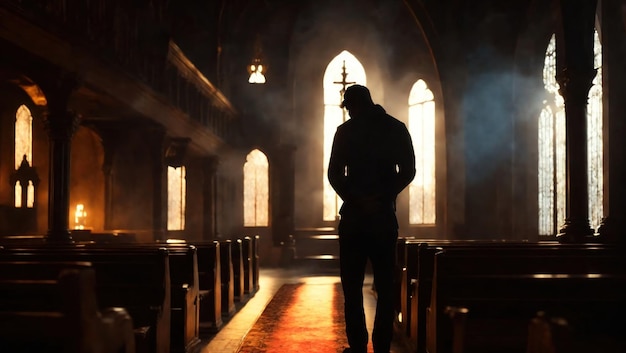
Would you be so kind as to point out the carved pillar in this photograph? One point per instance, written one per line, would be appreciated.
(575, 62)
(61, 125)
(283, 195)
(613, 227)
(209, 197)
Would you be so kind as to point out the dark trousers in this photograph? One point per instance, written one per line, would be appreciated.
(354, 251)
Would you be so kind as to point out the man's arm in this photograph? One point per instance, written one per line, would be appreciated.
(406, 160)
(337, 164)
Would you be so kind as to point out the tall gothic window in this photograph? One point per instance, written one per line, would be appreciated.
(594, 139)
(24, 148)
(551, 140)
(256, 190)
(176, 197)
(334, 116)
(422, 129)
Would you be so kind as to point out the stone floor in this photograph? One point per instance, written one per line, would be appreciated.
(231, 335)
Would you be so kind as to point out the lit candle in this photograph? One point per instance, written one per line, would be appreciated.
(80, 215)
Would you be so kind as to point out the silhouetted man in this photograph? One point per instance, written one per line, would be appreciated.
(372, 160)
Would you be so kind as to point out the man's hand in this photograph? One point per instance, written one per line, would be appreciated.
(372, 204)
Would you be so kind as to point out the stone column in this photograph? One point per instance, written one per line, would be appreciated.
(209, 197)
(575, 76)
(61, 125)
(613, 228)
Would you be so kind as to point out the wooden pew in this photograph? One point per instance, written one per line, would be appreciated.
(52, 307)
(399, 268)
(184, 273)
(137, 279)
(184, 304)
(247, 254)
(501, 289)
(497, 321)
(415, 266)
(227, 276)
(416, 257)
(207, 293)
(209, 267)
(406, 272)
(556, 334)
(255, 262)
(414, 269)
(238, 271)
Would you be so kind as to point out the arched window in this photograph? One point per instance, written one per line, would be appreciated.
(594, 139)
(176, 197)
(422, 129)
(24, 150)
(256, 190)
(334, 82)
(551, 147)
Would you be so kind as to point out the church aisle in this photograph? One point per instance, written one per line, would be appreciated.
(230, 338)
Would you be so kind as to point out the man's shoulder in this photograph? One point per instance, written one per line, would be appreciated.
(394, 121)
(388, 118)
(346, 124)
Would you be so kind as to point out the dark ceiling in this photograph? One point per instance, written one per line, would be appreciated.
(219, 36)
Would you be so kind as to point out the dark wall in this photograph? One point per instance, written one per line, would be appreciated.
(132, 175)
(87, 178)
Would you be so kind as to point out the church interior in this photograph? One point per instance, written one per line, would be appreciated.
(156, 135)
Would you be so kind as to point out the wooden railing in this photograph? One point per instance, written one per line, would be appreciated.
(134, 38)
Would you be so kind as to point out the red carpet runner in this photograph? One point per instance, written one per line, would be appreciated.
(300, 318)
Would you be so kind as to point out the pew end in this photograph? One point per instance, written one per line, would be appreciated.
(59, 313)
(556, 334)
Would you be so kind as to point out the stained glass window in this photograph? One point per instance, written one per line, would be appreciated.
(256, 190)
(422, 129)
(551, 147)
(594, 140)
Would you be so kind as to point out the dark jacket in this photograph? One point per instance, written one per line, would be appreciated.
(371, 162)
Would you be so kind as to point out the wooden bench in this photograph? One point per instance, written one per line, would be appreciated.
(399, 268)
(496, 312)
(557, 334)
(53, 307)
(484, 298)
(414, 267)
(196, 293)
(137, 279)
(209, 269)
(406, 273)
(247, 255)
(238, 271)
(227, 276)
(416, 261)
(184, 282)
(184, 273)
(255, 262)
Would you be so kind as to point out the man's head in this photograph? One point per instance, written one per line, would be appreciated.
(357, 99)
